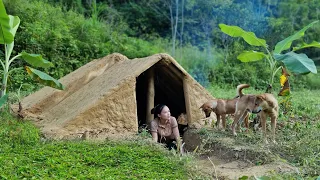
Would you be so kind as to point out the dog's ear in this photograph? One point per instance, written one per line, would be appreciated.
(261, 97)
(201, 107)
(270, 103)
(264, 98)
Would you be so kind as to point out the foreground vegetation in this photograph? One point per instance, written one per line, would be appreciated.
(23, 155)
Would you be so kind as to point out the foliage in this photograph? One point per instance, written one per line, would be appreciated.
(198, 62)
(233, 74)
(296, 63)
(70, 40)
(138, 48)
(9, 26)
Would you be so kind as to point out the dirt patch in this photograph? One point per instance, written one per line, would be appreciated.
(224, 159)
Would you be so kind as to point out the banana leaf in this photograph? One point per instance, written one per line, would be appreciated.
(6, 37)
(14, 24)
(297, 63)
(305, 45)
(36, 60)
(250, 56)
(286, 43)
(44, 78)
(249, 37)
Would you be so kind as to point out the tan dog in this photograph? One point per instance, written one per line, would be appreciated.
(221, 107)
(264, 104)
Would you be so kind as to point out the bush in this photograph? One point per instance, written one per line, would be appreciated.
(198, 63)
(309, 81)
(234, 74)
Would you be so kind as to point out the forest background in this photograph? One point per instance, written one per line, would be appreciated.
(70, 33)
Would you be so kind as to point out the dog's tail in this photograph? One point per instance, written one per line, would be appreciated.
(240, 87)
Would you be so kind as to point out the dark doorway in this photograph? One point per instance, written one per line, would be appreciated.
(168, 90)
(141, 91)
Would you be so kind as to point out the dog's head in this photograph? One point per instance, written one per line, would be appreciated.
(260, 104)
(208, 107)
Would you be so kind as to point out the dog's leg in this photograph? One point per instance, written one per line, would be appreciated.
(218, 121)
(273, 128)
(237, 117)
(223, 121)
(244, 117)
(246, 122)
(235, 121)
(263, 121)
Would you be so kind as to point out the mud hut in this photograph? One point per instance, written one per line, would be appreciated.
(114, 96)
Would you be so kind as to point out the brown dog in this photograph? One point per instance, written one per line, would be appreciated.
(264, 104)
(221, 107)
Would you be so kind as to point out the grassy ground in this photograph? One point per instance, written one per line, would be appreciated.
(297, 134)
(24, 154)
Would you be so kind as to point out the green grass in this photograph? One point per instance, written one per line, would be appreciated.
(24, 155)
(298, 133)
(84, 160)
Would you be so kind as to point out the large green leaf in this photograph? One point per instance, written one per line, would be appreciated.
(305, 45)
(286, 43)
(44, 78)
(36, 60)
(14, 24)
(6, 37)
(3, 99)
(250, 56)
(297, 63)
(249, 37)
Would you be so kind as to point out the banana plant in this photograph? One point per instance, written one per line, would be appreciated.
(8, 28)
(293, 62)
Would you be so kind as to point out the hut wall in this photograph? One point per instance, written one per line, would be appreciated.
(197, 96)
(114, 114)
